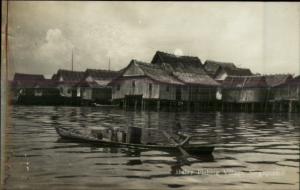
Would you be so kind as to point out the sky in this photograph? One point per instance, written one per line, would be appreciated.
(264, 37)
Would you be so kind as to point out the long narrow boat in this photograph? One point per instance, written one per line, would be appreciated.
(77, 136)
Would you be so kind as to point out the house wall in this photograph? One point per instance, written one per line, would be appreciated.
(102, 94)
(200, 93)
(249, 95)
(185, 93)
(65, 91)
(294, 92)
(141, 87)
(279, 93)
(50, 91)
(38, 92)
(86, 93)
(286, 93)
(221, 75)
(167, 92)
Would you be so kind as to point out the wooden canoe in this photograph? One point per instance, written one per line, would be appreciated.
(77, 136)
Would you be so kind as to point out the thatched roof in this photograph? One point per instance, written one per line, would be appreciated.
(156, 72)
(47, 83)
(174, 63)
(187, 69)
(98, 74)
(98, 78)
(214, 67)
(277, 79)
(68, 77)
(171, 58)
(211, 67)
(244, 82)
(195, 79)
(238, 71)
(28, 77)
(152, 71)
(26, 80)
(293, 82)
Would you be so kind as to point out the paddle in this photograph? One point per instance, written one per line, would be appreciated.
(179, 146)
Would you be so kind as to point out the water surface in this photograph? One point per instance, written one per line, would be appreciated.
(253, 151)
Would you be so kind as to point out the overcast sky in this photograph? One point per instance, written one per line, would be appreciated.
(264, 37)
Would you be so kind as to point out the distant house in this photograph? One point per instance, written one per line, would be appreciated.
(46, 88)
(212, 67)
(33, 89)
(286, 90)
(198, 85)
(23, 84)
(94, 86)
(143, 83)
(220, 70)
(293, 86)
(66, 81)
(244, 89)
(277, 86)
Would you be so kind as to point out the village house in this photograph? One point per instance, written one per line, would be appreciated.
(142, 85)
(293, 86)
(22, 86)
(94, 88)
(283, 93)
(276, 84)
(66, 81)
(198, 86)
(244, 93)
(220, 70)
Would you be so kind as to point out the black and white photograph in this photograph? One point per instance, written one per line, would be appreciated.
(144, 95)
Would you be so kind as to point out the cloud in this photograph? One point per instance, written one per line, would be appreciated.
(45, 32)
(56, 50)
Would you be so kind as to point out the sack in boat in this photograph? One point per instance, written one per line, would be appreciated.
(97, 133)
(121, 136)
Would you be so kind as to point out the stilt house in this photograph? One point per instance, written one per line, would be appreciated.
(66, 82)
(94, 87)
(141, 84)
(23, 84)
(277, 86)
(220, 70)
(244, 89)
(198, 85)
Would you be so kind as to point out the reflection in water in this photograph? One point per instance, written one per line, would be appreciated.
(252, 151)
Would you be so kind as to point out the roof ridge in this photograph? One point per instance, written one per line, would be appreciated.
(174, 55)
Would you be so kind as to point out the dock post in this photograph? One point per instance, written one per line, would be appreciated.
(135, 104)
(188, 106)
(124, 104)
(290, 106)
(158, 105)
(280, 106)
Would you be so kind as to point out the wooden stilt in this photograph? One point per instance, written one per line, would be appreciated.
(273, 107)
(280, 107)
(290, 106)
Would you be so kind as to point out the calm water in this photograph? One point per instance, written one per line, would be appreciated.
(253, 151)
